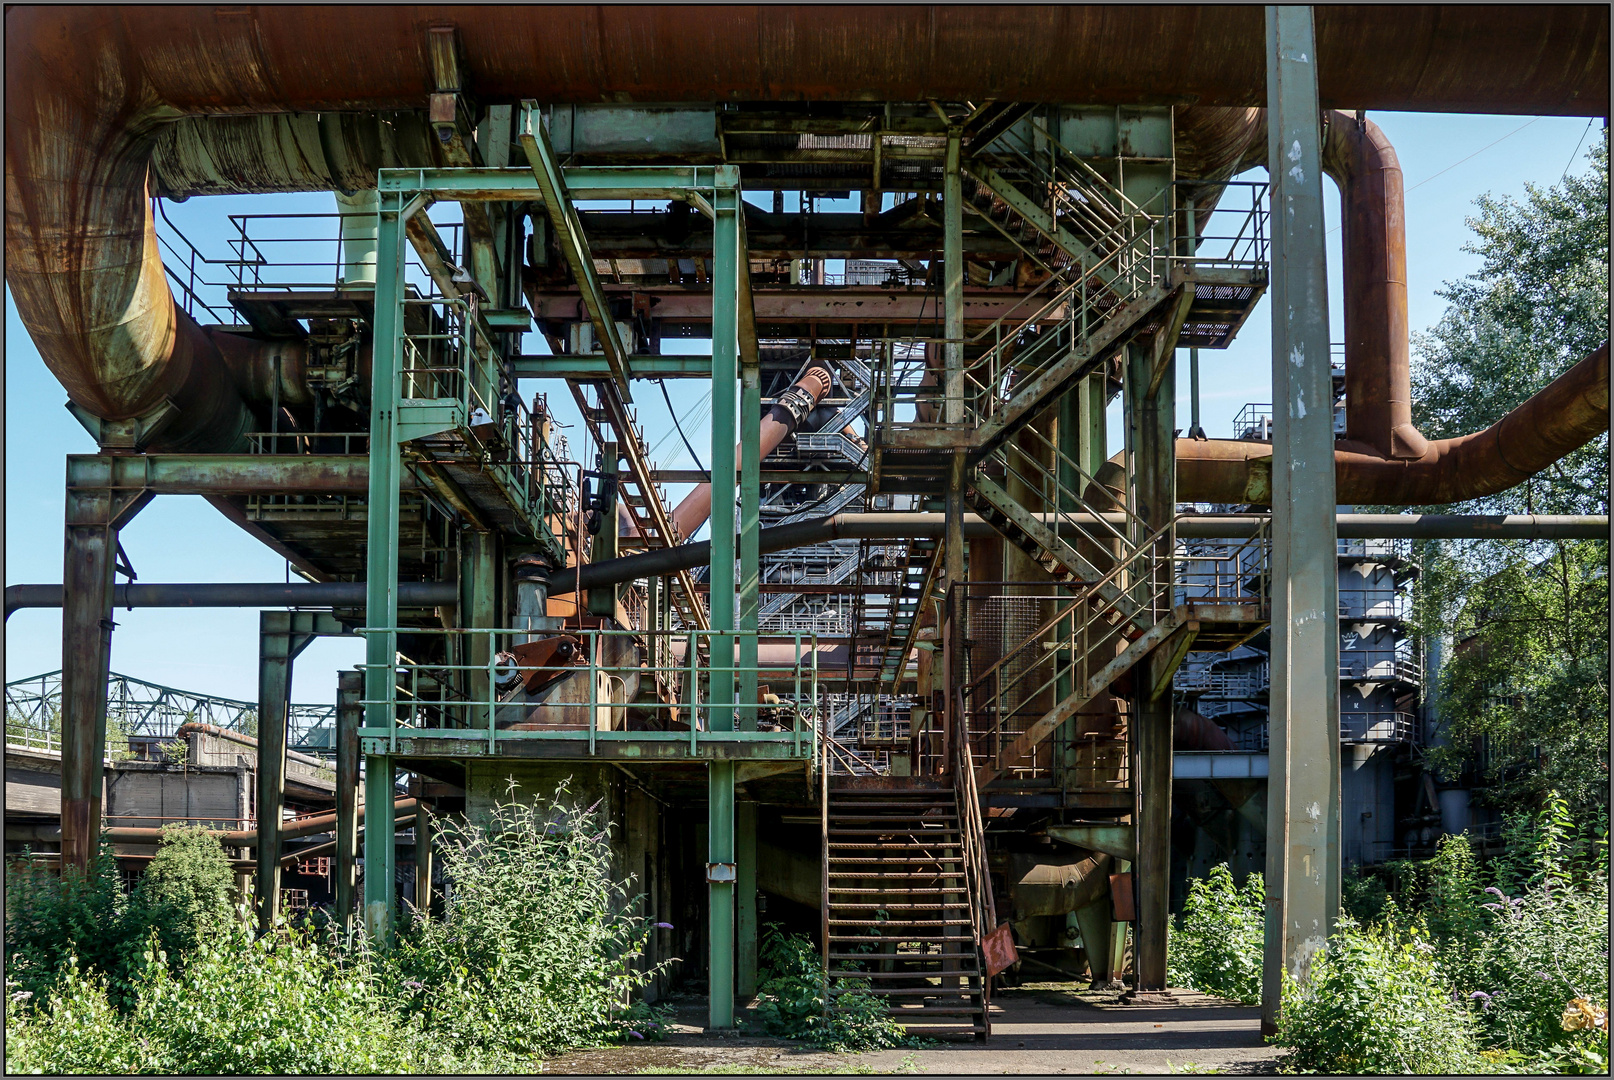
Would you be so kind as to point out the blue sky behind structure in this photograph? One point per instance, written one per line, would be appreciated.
(1448, 161)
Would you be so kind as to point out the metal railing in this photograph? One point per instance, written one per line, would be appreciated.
(1078, 631)
(613, 685)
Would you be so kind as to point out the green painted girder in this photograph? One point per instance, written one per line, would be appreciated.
(640, 745)
(573, 244)
(588, 368)
(589, 183)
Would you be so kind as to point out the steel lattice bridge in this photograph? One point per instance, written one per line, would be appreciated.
(136, 707)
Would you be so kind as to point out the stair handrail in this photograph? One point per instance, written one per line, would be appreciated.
(823, 825)
(972, 832)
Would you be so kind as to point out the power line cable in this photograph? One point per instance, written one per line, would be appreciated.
(1576, 154)
(1454, 164)
(674, 414)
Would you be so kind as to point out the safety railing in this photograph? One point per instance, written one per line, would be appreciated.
(1233, 235)
(972, 835)
(1209, 681)
(502, 685)
(1372, 604)
(1386, 665)
(1076, 631)
(1385, 726)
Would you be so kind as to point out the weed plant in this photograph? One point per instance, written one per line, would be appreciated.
(1216, 942)
(790, 1000)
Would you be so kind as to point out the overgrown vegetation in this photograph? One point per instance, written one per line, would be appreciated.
(791, 1000)
(539, 951)
(1216, 941)
(1464, 967)
(538, 947)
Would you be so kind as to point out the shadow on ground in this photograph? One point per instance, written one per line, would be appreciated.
(1042, 1028)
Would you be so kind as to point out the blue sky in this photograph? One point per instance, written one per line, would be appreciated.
(1448, 161)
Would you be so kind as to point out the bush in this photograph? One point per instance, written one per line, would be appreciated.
(538, 949)
(790, 1000)
(185, 892)
(1374, 1002)
(1216, 946)
(280, 1003)
(1542, 951)
(71, 921)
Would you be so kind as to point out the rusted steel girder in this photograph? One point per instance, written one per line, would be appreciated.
(224, 474)
(867, 304)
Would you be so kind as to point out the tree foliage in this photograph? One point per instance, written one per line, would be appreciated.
(1523, 696)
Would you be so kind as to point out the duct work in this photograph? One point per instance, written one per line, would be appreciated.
(85, 152)
(1384, 459)
(781, 421)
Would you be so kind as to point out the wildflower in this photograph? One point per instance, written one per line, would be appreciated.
(664, 926)
(1581, 1014)
(1499, 893)
(635, 1034)
(1543, 976)
(1485, 999)
(413, 985)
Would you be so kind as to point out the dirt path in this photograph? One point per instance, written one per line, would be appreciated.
(1039, 1028)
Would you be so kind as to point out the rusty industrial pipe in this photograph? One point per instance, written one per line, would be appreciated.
(1384, 459)
(1378, 353)
(1565, 415)
(781, 419)
(89, 91)
(290, 830)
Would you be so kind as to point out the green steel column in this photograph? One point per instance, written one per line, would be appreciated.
(274, 708)
(1094, 392)
(750, 536)
(725, 378)
(720, 848)
(1150, 421)
(479, 600)
(380, 848)
(745, 887)
(1302, 878)
(381, 564)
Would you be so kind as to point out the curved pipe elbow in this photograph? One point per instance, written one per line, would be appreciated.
(1567, 414)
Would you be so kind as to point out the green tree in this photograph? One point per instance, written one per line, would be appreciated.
(1524, 694)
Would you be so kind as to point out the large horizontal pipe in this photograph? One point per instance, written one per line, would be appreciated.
(228, 838)
(348, 594)
(290, 830)
(1207, 526)
(1565, 415)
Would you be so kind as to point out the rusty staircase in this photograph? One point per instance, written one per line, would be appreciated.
(902, 907)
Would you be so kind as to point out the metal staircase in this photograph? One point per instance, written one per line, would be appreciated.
(900, 916)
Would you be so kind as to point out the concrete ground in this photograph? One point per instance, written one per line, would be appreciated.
(1039, 1028)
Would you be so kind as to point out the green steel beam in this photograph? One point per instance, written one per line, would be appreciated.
(573, 244)
(381, 557)
(599, 183)
(380, 848)
(592, 368)
(721, 864)
(725, 380)
(750, 480)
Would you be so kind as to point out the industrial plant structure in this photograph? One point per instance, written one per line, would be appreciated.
(916, 689)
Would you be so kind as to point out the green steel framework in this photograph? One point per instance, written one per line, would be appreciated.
(731, 732)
